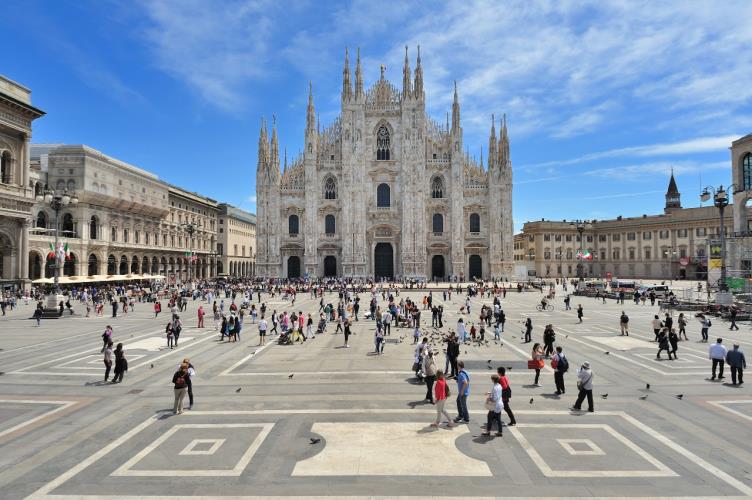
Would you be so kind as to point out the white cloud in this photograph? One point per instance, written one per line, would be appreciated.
(251, 199)
(638, 172)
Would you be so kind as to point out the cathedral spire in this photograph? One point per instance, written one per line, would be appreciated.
(274, 146)
(311, 112)
(358, 78)
(492, 145)
(263, 149)
(406, 77)
(346, 87)
(455, 110)
(504, 144)
(285, 167)
(418, 87)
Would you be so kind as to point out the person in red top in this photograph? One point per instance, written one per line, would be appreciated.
(506, 394)
(200, 316)
(157, 308)
(441, 392)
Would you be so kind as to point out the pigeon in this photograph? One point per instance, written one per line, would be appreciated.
(238, 389)
(291, 375)
(489, 361)
(566, 336)
(647, 386)
(509, 367)
(604, 396)
(152, 365)
(531, 400)
(465, 352)
(644, 397)
(679, 396)
(315, 440)
(606, 353)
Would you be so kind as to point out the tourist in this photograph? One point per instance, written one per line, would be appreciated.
(200, 313)
(309, 328)
(347, 330)
(262, 326)
(106, 337)
(107, 360)
(657, 325)
(463, 391)
(441, 393)
(453, 352)
(429, 368)
(579, 312)
(191, 373)
(717, 354)
(177, 327)
(181, 380)
(494, 405)
(705, 329)
(737, 363)
(682, 322)
(537, 362)
(506, 394)
(121, 364)
(663, 344)
(461, 332)
(549, 337)
(170, 335)
(560, 364)
(624, 323)
(673, 340)
(733, 311)
(585, 386)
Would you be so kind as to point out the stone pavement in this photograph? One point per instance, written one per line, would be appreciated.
(66, 435)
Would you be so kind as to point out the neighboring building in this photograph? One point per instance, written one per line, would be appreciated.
(16, 193)
(739, 245)
(236, 242)
(127, 220)
(672, 245)
(384, 192)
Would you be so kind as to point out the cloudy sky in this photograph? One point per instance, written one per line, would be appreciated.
(602, 98)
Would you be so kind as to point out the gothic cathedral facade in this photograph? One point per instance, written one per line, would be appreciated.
(384, 192)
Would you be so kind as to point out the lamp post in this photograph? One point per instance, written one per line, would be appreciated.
(56, 202)
(559, 255)
(721, 201)
(580, 226)
(190, 228)
(670, 254)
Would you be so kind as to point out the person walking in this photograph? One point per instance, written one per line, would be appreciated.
(200, 316)
(191, 374)
(528, 331)
(549, 337)
(157, 308)
(429, 367)
(453, 352)
(347, 331)
(579, 312)
(463, 391)
(673, 340)
(663, 344)
(170, 335)
(624, 323)
(506, 393)
(560, 364)
(494, 405)
(717, 354)
(379, 337)
(732, 317)
(461, 332)
(737, 363)
(106, 337)
(107, 360)
(705, 328)
(181, 380)
(682, 322)
(121, 364)
(537, 362)
(262, 326)
(441, 393)
(177, 327)
(585, 386)
(657, 325)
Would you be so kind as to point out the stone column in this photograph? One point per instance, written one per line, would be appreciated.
(24, 262)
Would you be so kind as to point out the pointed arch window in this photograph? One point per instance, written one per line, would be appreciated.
(329, 224)
(438, 223)
(42, 220)
(437, 187)
(474, 223)
(382, 143)
(747, 172)
(330, 188)
(292, 225)
(5, 167)
(383, 196)
(93, 228)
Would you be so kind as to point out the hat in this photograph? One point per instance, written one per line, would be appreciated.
(586, 365)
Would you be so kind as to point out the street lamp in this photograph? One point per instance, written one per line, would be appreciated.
(190, 228)
(580, 226)
(721, 201)
(56, 202)
(670, 254)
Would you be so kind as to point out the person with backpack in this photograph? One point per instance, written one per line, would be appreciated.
(463, 391)
(624, 324)
(191, 374)
(177, 327)
(706, 324)
(441, 393)
(181, 380)
(121, 364)
(560, 365)
(506, 394)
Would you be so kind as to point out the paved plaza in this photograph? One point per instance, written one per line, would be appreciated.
(317, 420)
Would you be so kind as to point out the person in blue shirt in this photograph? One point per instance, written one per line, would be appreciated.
(463, 391)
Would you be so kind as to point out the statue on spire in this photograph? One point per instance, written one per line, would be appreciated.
(406, 77)
(358, 78)
(346, 87)
(418, 86)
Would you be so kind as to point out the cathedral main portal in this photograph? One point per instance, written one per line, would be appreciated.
(383, 261)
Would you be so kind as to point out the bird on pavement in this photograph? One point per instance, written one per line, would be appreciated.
(644, 397)
(606, 353)
(291, 375)
(238, 389)
(531, 400)
(679, 396)
(152, 365)
(647, 386)
(315, 440)
(604, 396)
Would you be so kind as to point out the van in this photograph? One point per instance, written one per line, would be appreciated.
(660, 291)
(622, 285)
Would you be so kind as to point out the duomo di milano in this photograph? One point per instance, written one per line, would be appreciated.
(384, 192)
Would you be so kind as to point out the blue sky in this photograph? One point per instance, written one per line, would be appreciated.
(602, 98)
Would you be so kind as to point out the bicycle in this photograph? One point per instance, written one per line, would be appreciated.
(548, 307)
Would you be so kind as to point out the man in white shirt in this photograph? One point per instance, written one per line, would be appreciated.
(262, 326)
(717, 355)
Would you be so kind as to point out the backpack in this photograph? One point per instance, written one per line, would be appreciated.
(563, 364)
(710, 323)
(446, 390)
(180, 382)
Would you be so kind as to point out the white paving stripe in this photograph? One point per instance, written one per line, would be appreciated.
(63, 406)
(722, 405)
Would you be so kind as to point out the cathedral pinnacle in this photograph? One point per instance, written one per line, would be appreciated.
(455, 110)
(358, 78)
(346, 87)
(406, 77)
(492, 145)
(504, 144)
(274, 145)
(418, 87)
(311, 112)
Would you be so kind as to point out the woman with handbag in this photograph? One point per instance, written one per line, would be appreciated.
(429, 367)
(441, 393)
(537, 362)
(494, 405)
(506, 393)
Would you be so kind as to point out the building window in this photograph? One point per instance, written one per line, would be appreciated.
(631, 253)
(382, 143)
(747, 172)
(557, 237)
(663, 234)
(547, 254)
(437, 187)
(701, 231)
(42, 220)
(615, 254)
(681, 233)
(146, 238)
(292, 225)
(125, 236)
(615, 237)
(235, 250)
(220, 249)
(569, 254)
(647, 235)
(569, 237)
(383, 195)
(602, 238)
(474, 223)
(330, 188)
(646, 253)
(701, 252)
(603, 254)
(5, 163)
(438, 223)
(682, 252)
(329, 224)
(546, 237)
(589, 238)
(242, 249)
(631, 236)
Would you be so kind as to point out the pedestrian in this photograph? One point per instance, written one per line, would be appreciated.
(38, 314)
(536, 362)
(177, 327)
(506, 393)
(717, 354)
(673, 340)
(121, 364)
(737, 363)
(663, 344)
(181, 380)
(453, 352)
(528, 331)
(657, 325)
(549, 337)
(732, 317)
(585, 386)
(441, 393)
(463, 391)
(579, 312)
(157, 308)
(624, 323)
(682, 322)
(379, 337)
(262, 326)
(560, 364)
(106, 337)
(107, 360)
(705, 328)
(429, 368)
(461, 332)
(494, 405)
(200, 316)
(191, 374)
(347, 331)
